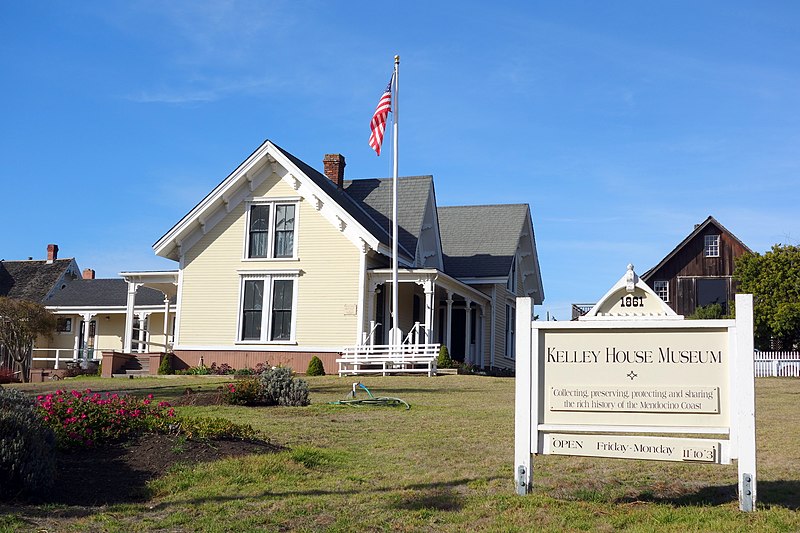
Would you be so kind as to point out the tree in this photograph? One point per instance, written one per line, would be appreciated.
(708, 312)
(774, 281)
(21, 322)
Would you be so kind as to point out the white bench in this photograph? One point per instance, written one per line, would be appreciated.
(385, 359)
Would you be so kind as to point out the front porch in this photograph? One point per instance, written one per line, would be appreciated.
(433, 308)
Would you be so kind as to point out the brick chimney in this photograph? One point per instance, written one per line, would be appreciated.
(88, 273)
(52, 252)
(334, 168)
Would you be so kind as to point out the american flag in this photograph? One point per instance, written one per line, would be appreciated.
(378, 123)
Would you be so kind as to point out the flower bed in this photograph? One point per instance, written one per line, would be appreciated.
(86, 419)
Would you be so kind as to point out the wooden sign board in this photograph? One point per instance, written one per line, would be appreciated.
(613, 384)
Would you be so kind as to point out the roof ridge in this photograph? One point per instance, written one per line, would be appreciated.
(520, 204)
(416, 176)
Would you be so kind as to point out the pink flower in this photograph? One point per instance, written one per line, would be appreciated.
(70, 410)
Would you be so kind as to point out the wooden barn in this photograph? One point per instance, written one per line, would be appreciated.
(699, 271)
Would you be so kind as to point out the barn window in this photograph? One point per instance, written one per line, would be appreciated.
(712, 246)
(661, 288)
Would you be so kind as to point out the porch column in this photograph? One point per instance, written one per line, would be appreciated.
(142, 336)
(372, 294)
(77, 348)
(479, 335)
(429, 290)
(448, 319)
(87, 319)
(126, 341)
(467, 328)
(166, 322)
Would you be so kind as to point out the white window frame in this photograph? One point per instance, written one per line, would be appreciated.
(510, 333)
(711, 246)
(266, 307)
(272, 203)
(661, 288)
(511, 284)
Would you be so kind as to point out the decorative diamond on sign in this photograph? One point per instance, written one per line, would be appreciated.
(632, 375)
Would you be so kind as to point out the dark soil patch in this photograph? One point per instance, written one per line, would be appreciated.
(119, 474)
(199, 398)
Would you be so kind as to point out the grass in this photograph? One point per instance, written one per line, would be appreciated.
(446, 465)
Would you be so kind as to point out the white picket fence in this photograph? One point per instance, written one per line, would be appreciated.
(777, 364)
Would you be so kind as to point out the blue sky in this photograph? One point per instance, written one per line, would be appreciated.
(622, 124)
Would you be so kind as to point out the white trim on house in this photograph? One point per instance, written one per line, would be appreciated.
(270, 347)
(261, 164)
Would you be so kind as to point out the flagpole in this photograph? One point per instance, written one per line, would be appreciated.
(395, 315)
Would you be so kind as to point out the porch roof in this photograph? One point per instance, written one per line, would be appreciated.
(95, 293)
(440, 278)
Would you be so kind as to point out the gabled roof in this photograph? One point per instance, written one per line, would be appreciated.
(697, 230)
(103, 293)
(375, 197)
(356, 208)
(31, 280)
(479, 241)
(309, 182)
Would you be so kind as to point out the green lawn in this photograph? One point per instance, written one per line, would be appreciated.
(446, 465)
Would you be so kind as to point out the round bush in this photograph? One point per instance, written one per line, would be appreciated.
(279, 387)
(315, 367)
(444, 360)
(27, 447)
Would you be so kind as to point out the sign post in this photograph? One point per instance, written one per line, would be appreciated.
(631, 371)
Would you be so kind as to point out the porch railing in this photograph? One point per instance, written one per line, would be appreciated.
(386, 358)
(58, 356)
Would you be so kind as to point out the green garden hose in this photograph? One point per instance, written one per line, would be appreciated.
(385, 401)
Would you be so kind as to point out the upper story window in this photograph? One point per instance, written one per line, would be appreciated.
(712, 246)
(511, 284)
(271, 230)
(661, 288)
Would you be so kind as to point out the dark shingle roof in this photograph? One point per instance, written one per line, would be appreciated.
(375, 197)
(31, 280)
(479, 241)
(355, 208)
(103, 293)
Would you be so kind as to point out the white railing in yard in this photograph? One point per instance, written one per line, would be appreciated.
(59, 356)
(777, 364)
(387, 359)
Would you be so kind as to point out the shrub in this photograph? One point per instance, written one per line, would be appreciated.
(280, 387)
(86, 419)
(165, 366)
(444, 360)
(315, 367)
(205, 428)
(7, 376)
(222, 370)
(27, 446)
(243, 392)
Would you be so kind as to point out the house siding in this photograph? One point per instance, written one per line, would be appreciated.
(328, 263)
